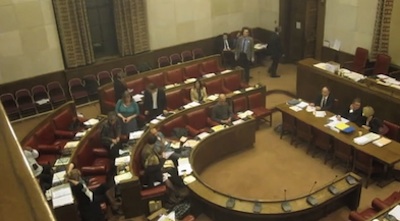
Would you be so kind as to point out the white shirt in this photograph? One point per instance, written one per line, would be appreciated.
(154, 96)
(31, 158)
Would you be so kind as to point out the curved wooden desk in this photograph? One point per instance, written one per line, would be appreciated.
(241, 137)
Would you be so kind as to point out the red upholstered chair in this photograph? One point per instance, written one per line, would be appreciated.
(381, 66)
(47, 156)
(379, 204)
(359, 62)
(168, 127)
(257, 105)
(189, 218)
(239, 104)
(175, 76)
(10, 106)
(288, 126)
(131, 69)
(343, 152)
(186, 56)
(39, 92)
(48, 137)
(62, 123)
(197, 53)
(175, 58)
(211, 66)
(198, 121)
(107, 101)
(138, 85)
(214, 86)
(91, 85)
(363, 215)
(115, 71)
(174, 100)
(78, 91)
(25, 102)
(163, 61)
(393, 130)
(56, 93)
(104, 77)
(193, 71)
(233, 83)
(157, 79)
(366, 164)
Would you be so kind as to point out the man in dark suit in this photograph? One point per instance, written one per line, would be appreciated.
(354, 112)
(244, 52)
(224, 47)
(324, 101)
(154, 101)
(275, 50)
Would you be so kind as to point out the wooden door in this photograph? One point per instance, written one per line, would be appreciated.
(301, 28)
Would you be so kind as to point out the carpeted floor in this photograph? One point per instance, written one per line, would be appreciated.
(271, 166)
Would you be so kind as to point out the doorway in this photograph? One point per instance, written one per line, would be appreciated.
(302, 23)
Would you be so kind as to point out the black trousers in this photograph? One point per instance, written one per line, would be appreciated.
(245, 64)
(274, 66)
(153, 114)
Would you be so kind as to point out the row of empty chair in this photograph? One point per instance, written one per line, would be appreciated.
(177, 58)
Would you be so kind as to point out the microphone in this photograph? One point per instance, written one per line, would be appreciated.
(310, 199)
(230, 203)
(333, 188)
(286, 207)
(351, 180)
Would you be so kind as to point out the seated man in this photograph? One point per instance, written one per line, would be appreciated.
(222, 111)
(154, 102)
(354, 113)
(110, 135)
(324, 101)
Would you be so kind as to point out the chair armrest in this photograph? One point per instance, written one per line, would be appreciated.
(48, 148)
(192, 131)
(153, 192)
(100, 152)
(64, 133)
(354, 216)
(378, 204)
(94, 170)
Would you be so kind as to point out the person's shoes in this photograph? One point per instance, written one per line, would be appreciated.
(275, 76)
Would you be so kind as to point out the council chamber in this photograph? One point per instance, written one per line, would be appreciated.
(200, 110)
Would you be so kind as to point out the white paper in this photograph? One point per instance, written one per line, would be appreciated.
(121, 177)
(367, 138)
(320, 114)
(226, 71)
(155, 121)
(167, 154)
(260, 46)
(302, 104)
(42, 101)
(119, 161)
(203, 135)
(237, 92)
(61, 190)
(168, 86)
(63, 201)
(80, 134)
(295, 108)
(138, 97)
(58, 177)
(169, 217)
(191, 143)
(160, 117)
(176, 145)
(123, 151)
(71, 144)
(209, 75)
(236, 122)
(190, 80)
(62, 161)
(184, 167)
(191, 104)
(249, 89)
(189, 179)
(91, 122)
(310, 109)
(336, 45)
(395, 212)
(135, 135)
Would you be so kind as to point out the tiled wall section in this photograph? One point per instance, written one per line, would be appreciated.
(179, 21)
(29, 42)
(351, 22)
(394, 43)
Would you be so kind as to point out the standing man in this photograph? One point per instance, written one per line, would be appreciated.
(154, 101)
(244, 52)
(275, 49)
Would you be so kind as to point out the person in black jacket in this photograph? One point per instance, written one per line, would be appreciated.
(354, 112)
(324, 101)
(274, 48)
(119, 86)
(154, 101)
(370, 122)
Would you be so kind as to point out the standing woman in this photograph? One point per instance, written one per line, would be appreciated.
(127, 110)
(198, 91)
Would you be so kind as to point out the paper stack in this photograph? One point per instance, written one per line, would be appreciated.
(212, 97)
(203, 135)
(121, 177)
(245, 114)
(295, 108)
(217, 128)
(190, 80)
(91, 122)
(135, 135)
(80, 134)
(191, 104)
(236, 122)
(367, 138)
(62, 195)
(120, 161)
(191, 143)
(209, 75)
(189, 179)
(62, 161)
(71, 144)
(138, 97)
(226, 71)
(319, 113)
(382, 141)
(395, 212)
(58, 178)
(184, 167)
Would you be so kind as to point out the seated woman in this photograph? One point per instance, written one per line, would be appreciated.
(127, 110)
(198, 93)
(370, 122)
